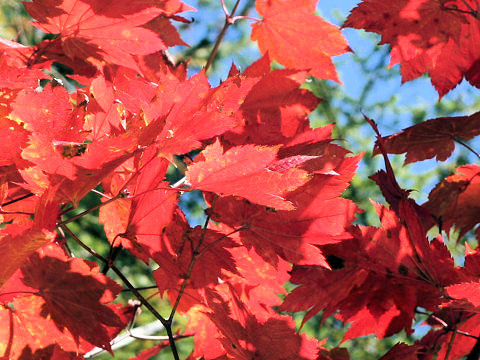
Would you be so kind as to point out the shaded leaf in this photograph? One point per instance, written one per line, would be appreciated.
(453, 200)
(431, 138)
(426, 37)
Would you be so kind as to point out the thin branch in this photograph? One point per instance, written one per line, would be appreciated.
(82, 214)
(450, 344)
(220, 37)
(17, 199)
(192, 262)
(112, 255)
(67, 210)
(141, 288)
(157, 338)
(83, 245)
(224, 7)
(206, 248)
(179, 182)
(100, 193)
(139, 296)
(234, 19)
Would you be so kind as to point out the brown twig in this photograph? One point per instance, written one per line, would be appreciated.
(17, 199)
(471, 11)
(141, 288)
(195, 255)
(206, 248)
(93, 208)
(138, 295)
(228, 23)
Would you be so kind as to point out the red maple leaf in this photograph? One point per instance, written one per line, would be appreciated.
(176, 249)
(426, 37)
(21, 241)
(244, 171)
(61, 301)
(75, 295)
(185, 113)
(256, 281)
(378, 287)
(280, 28)
(151, 207)
(159, 65)
(431, 138)
(115, 95)
(244, 334)
(452, 201)
(403, 351)
(13, 138)
(320, 217)
(113, 33)
(51, 352)
(275, 109)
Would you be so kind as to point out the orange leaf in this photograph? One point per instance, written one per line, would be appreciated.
(294, 36)
(112, 32)
(243, 171)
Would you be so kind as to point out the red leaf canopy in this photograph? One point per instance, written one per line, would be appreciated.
(240, 334)
(378, 287)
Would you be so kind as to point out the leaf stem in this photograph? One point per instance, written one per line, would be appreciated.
(100, 193)
(448, 327)
(240, 17)
(458, 140)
